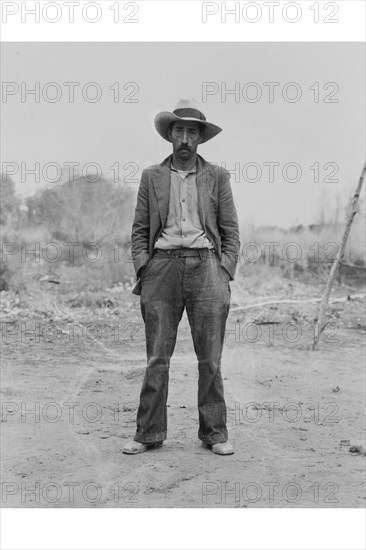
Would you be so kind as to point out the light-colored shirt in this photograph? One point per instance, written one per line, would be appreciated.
(183, 226)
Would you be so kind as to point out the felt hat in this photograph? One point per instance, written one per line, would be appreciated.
(186, 110)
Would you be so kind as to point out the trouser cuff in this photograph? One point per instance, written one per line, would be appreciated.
(213, 439)
(150, 438)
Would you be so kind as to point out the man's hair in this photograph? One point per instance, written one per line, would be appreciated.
(200, 126)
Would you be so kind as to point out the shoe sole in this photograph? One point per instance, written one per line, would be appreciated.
(207, 446)
(223, 454)
(143, 449)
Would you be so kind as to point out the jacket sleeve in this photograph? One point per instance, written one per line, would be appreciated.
(141, 227)
(227, 221)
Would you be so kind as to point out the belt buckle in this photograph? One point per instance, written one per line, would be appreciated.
(174, 254)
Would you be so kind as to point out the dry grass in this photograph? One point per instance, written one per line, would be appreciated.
(267, 254)
(303, 253)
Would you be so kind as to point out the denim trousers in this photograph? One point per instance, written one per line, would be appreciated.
(174, 280)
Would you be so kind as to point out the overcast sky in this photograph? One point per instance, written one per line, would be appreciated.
(108, 132)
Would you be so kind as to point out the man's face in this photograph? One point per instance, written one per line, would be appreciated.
(185, 137)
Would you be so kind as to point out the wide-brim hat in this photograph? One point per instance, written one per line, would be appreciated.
(186, 110)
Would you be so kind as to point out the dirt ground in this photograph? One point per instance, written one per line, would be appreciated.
(71, 377)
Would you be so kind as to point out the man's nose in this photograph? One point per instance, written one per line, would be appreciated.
(185, 137)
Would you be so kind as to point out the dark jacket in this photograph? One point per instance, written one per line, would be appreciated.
(215, 205)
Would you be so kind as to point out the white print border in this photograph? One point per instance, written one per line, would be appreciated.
(156, 21)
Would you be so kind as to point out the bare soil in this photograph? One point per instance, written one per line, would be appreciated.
(72, 370)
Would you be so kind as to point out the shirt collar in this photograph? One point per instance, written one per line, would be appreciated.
(191, 171)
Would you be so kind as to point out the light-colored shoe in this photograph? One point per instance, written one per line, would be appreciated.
(225, 448)
(134, 447)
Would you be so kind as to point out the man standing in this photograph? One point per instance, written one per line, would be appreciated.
(185, 247)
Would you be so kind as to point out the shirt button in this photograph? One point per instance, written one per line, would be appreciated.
(184, 219)
(183, 200)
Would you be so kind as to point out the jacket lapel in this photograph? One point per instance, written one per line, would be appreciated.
(205, 182)
(161, 184)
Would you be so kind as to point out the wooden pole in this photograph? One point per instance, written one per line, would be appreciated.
(319, 327)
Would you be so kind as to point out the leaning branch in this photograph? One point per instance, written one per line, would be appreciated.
(328, 287)
(347, 298)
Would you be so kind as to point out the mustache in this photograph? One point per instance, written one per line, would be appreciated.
(183, 148)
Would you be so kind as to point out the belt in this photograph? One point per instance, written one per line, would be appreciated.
(184, 252)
